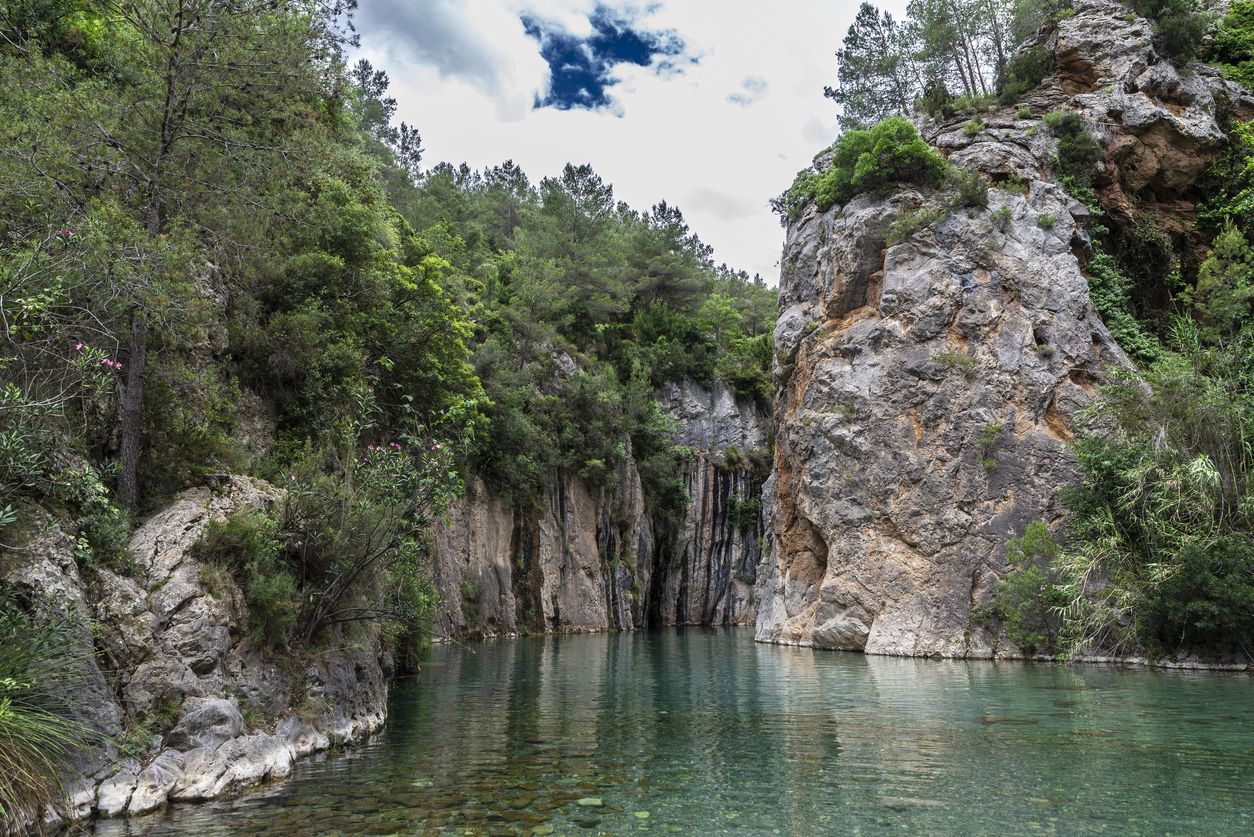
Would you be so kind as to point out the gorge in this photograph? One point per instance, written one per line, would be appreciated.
(306, 446)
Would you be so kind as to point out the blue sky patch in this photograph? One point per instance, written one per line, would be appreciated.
(581, 67)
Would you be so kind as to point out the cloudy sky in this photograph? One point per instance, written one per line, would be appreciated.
(712, 105)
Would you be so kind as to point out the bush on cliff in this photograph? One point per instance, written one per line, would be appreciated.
(1027, 600)
(1233, 47)
(876, 159)
(1229, 183)
(247, 545)
(866, 160)
(1179, 25)
(39, 736)
(1078, 151)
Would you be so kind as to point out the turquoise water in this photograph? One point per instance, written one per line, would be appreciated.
(702, 731)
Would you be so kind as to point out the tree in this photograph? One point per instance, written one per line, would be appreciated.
(1225, 283)
(878, 76)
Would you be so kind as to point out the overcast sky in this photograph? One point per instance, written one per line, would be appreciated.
(711, 105)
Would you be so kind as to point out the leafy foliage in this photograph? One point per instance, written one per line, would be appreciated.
(1109, 289)
(1028, 599)
(1077, 152)
(248, 546)
(1179, 25)
(1225, 284)
(1229, 183)
(583, 307)
(1233, 47)
(39, 735)
(946, 57)
(1025, 71)
(875, 159)
(1163, 517)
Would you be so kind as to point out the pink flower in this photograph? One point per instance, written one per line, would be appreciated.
(78, 347)
(293, 478)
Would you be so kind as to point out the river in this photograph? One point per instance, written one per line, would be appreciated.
(703, 731)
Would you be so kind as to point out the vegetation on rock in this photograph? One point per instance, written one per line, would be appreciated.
(1233, 48)
(39, 733)
(220, 255)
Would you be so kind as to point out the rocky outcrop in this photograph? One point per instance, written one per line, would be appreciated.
(923, 411)
(926, 389)
(189, 706)
(587, 558)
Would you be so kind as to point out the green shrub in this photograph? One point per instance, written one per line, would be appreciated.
(1024, 112)
(1164, 511)
(744, 512)
(1233, 47)
(39, 736)
(1028, 597)
(1078, 152)
(1225, 283)
(972, 127)
(876, 159)
(1046, 220)
(972, 188)
(956, 360)
(1025, 72)
(936, 100)
(1146, 252)
(1179, 25)
(909, 223)
(803, 189)
(1109, 289)
(986, 444)
(470, 591)
(1015, 183)
(969, 103)
(1229, 183)
(247, 545)
(103, 527)
(1001, 218)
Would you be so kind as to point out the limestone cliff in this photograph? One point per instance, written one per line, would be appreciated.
(926, 388)
(586, 558)
(188, 705)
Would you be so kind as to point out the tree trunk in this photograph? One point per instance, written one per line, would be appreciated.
(133, 414)
(962, 69)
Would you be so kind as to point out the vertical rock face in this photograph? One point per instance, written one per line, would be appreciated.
(926, 389)
(577, 561)
(584, 558)
(923, 410)
(172, 672)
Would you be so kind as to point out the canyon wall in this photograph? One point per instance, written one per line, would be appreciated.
(927, 388)
(186, 704)
(584, 558)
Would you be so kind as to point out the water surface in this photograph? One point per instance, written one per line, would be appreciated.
(703, 731)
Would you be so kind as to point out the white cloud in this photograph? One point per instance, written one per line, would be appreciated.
(466, 74)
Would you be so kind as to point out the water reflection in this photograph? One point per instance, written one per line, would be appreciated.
(702, 731)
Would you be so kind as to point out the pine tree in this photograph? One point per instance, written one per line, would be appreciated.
(878, 75)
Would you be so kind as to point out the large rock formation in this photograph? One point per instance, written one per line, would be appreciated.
(189, 705)
(926, 389)
(587, 558)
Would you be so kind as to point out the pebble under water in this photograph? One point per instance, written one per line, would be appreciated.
(703, 731)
